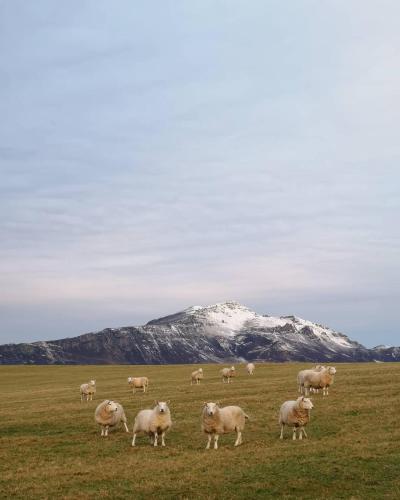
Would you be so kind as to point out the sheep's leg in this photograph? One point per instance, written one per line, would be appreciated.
(163, 439)
(151, 438)
(216, 436)
(102, 431)
(81, 397)
(106, 433)
(133, 390)
(144, 388)
(134, 439)
(301, 433)
(209, 441)
(238, 439)
(126, 427)
(304, 431)
(281, 436)
(156, 439)
(294, 434)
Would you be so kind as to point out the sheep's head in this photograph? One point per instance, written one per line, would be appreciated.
(130, 380)
(201, 370)
(211, 409)
(331, 370)
(319, 368)
(232, 368)
(305, 403)
(162, 407)
(92, 382)
(111, 407)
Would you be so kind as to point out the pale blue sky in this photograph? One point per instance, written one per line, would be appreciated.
(156, 155)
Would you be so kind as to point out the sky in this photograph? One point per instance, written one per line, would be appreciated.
(162, 154)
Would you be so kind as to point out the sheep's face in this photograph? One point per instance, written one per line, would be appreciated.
(210, 409)
(306, 403)
(111, 407)
(162, 407)
(92, 382)
(201, 370)
(232, 368)
(129, 380)
(319, 368)
(332, 370)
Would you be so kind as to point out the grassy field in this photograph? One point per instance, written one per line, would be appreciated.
(51, 447)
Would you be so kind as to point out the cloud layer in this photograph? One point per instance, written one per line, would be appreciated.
(173, 153)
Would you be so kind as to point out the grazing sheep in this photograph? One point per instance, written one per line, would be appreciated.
(154, 423)
(138, 383)
(295, 414)
(318, 368)
(301, 376)
(250, 368)
(227, 374)
(216, 421)
(196, 376)
(109, 414)
(319, 380)
(87, 391)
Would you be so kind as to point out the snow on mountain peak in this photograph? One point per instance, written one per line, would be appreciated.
(228, 318)
(231, 316)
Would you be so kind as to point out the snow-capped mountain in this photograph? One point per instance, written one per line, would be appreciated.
(225, 332)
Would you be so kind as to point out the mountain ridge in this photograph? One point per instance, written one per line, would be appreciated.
(222, 332)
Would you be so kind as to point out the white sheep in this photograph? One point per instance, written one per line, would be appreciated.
(227, 374)
(295, 414)
(318, 368)
(196, 376)
(138, 383)
(301, 376)
(109, 414)
(319, 380)
(87, 391)
(154, 423)
(217, 421)
(250, 367)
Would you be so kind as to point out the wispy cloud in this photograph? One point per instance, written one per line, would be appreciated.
(157, 156)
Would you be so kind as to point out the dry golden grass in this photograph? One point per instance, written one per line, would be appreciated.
(51, 446)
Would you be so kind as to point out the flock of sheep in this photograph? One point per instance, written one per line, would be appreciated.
(156, 422)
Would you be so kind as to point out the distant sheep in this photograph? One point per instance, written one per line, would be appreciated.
(301, 376)
(154, 423)
(109, 414)
(318, 368)
(319, 380)
(227, 374)
(138, 383)
(295, 414)
(217, 421)
(87, 391)
(196, 376)
(250, 368)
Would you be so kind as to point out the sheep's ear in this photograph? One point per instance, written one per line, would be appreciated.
(204, 403)
(156, 403)
(168, 402)
(217, 403)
